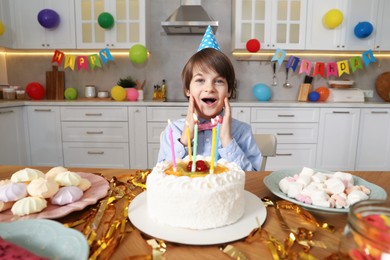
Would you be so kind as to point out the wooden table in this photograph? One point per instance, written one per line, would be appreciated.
(135, 244)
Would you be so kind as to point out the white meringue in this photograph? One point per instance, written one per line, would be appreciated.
(26, 175)
(52, 173)
(28, 205)
(85, 184)
(43, 188)
(68, 178)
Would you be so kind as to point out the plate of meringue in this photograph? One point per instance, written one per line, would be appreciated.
(30, 193)
(322, 190)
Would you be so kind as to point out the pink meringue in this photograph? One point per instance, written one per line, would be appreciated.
(13, 191)
(66, 195)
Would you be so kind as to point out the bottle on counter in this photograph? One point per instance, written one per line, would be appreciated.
(164, 90)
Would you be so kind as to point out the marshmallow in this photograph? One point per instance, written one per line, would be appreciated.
(334, 186)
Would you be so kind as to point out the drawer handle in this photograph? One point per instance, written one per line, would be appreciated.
(284, 154)
(6, 112)
(284, 134)
(379, 112)
(89, 152)
(183, 115)
(93, 114)
(286, 115)
(94, 133)
(42, 110)
(340, 112)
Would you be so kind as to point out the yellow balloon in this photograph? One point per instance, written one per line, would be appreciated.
(118, 93)
(2, 28)
(333, 18)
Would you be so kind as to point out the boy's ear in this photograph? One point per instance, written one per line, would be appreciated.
(188, 93)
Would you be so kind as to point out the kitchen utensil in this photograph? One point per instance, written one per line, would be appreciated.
(343, 84)
(55, 84)
(382, 86)
(286, 84)
(274, 80)
(90, 91)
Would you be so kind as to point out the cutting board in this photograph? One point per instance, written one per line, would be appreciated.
(55, 84)
(382, 85)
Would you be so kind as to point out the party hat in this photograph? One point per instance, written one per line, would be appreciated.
(208, 40)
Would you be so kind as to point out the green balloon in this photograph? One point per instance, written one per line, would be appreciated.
(106, 20)
(138, 53)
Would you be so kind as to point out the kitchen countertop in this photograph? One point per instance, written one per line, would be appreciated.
(151, 103)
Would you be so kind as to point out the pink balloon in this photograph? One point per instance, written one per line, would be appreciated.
(132, 94)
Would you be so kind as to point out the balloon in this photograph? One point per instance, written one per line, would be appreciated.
(138, 53)
(118, 93)
(262, 92)
(363, 29)
(2, 28)
(314, 96)
(35, 90)
(70, 93)
(48, 18)
(324, 93)
(253, 45)
(132, 94)
(106, 20)
(333, 18)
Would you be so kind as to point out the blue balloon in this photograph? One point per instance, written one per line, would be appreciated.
(314, 96)
(262, 92)
(48, 18)
(363, 29)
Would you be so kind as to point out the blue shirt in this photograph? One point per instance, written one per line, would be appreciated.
(242, 150)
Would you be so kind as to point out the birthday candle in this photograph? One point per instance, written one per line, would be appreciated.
(188, 134)
(213, 139)
(195, 143)
(217, 140)
(172, 146)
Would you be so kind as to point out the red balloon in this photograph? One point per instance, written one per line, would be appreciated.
(35, 90)
(253, 45)
(324, 93)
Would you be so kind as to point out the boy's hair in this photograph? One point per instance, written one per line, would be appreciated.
(210, 59)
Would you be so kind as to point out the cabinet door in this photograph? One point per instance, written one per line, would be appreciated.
(44, 130)
(242, 113)
(30, 34)
(5, 18)
(374, 140)
(129, 23)
(137, 138)
(382, 33)
(337, 138)
(12, 137)
(275, 23)
(319, 37)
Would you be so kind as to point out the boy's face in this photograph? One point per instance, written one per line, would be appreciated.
(209, 91)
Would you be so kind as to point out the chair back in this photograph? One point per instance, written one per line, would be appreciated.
(267, 145)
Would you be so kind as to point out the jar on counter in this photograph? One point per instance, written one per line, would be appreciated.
(367, 234)
(90, 91)
(20, 94)
(9, 93)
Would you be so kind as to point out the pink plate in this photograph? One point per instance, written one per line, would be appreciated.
(98, 190)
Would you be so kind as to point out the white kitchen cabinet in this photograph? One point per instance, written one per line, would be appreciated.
(12, 136)
(6, 19)
(44, 131)
(29, 34)
(138, 138)
(95, 136)
(382, 32)
(373, 152)
(337, 138)
(275, 23)
(296, 130)
(319, 37)
(129, 23)
(242, 113)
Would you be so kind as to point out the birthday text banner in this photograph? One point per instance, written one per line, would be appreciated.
(86, 62)
(334, 68)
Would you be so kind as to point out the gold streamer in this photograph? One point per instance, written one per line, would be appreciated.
(234, 253)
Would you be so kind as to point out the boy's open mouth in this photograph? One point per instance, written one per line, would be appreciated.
(209, 100)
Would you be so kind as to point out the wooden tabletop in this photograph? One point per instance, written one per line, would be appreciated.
(134, 243)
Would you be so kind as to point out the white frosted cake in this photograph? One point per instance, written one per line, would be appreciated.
(197, 200)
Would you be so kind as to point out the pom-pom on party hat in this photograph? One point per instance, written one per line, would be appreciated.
(208, 40)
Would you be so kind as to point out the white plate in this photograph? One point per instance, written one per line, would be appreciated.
(254, 208)
(272, 183)
(46, 238)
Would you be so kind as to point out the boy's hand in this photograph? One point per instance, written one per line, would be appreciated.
(191, 122)
(226, 126)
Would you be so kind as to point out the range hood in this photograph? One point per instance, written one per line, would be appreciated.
(189, 18)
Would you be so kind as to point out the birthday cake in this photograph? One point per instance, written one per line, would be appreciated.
(196, 199)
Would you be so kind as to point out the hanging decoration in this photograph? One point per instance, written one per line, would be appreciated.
(253, 45)
(322, 69)
(138, 53)
(333, 18)
(2, 28)
(106, 20)
(363, 30)
(85, 62)
(48, 18)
